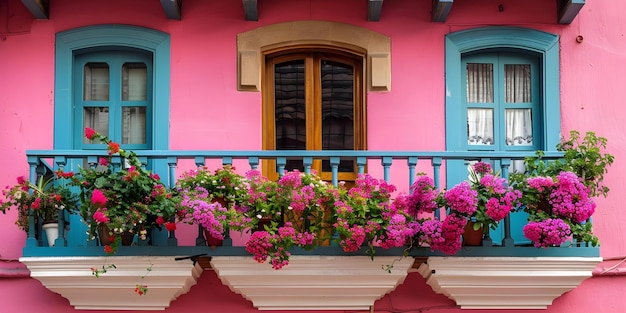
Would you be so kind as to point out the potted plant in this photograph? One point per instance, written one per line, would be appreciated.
(367, 214)
(47, 198)
(213, 200)
(122, 203)
(558, 195)
(223, 184)
(296, 210)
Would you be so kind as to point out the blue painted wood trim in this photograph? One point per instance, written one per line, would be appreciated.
(281, 155)
(542, 43)
(568, 10)
(71, 41)
(441, 9)
(331, 250)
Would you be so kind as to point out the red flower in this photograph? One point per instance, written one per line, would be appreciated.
(170, 226)
(90, 133)
(21, 180)
(98, 198)
(36, 204)
(113, 148)
(160, 220)
(62, 174)
(108, 249)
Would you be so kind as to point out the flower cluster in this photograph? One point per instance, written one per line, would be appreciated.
(494, 198)
(47, 198)
(196, 208)
(366, 214)
(223, 183)
(547, 233)
(296, 210)
(554, 202)
(275, 244)
(122, 202)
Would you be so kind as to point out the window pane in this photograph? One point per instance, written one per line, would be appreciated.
(480, 127)
(134, 82)
(96, 118)
(517, 83)
(290, 108)
(134, 125)
(479, 83)
(519, 127)
(337, 111)
(96, 82)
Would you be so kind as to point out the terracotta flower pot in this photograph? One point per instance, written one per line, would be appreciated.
(212, 241)
(472, 237)
(106, 237)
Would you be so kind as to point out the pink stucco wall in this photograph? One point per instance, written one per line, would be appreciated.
(205, 101)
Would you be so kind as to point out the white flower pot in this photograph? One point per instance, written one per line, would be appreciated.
(52, 232)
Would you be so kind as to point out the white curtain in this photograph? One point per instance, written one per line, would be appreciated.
(480, 90)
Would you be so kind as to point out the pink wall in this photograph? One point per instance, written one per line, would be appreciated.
(205, 102)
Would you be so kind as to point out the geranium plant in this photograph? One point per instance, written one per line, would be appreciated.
(47, 197)
(116, 202)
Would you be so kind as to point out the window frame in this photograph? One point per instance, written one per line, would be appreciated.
(312, 54)
(96, 37)
(543, 44)
(115, 59)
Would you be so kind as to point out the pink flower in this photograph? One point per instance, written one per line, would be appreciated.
(90, 133)
(100, 217)
(104, 161)
(170, 226)
(98, 198)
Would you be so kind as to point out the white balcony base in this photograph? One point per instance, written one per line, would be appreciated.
(313, 282)
(506, 282)
(72, 278)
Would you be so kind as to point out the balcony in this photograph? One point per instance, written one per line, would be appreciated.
(521, 275)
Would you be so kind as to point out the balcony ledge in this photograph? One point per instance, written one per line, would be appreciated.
(344, 282)
(506, 282)
(71, 277)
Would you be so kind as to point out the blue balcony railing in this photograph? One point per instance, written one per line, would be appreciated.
(398, 167)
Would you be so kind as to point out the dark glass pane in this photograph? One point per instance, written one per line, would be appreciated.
(337, 111)
(290, 108)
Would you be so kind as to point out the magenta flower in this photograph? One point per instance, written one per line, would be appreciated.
(100, 217)
(98, 198)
